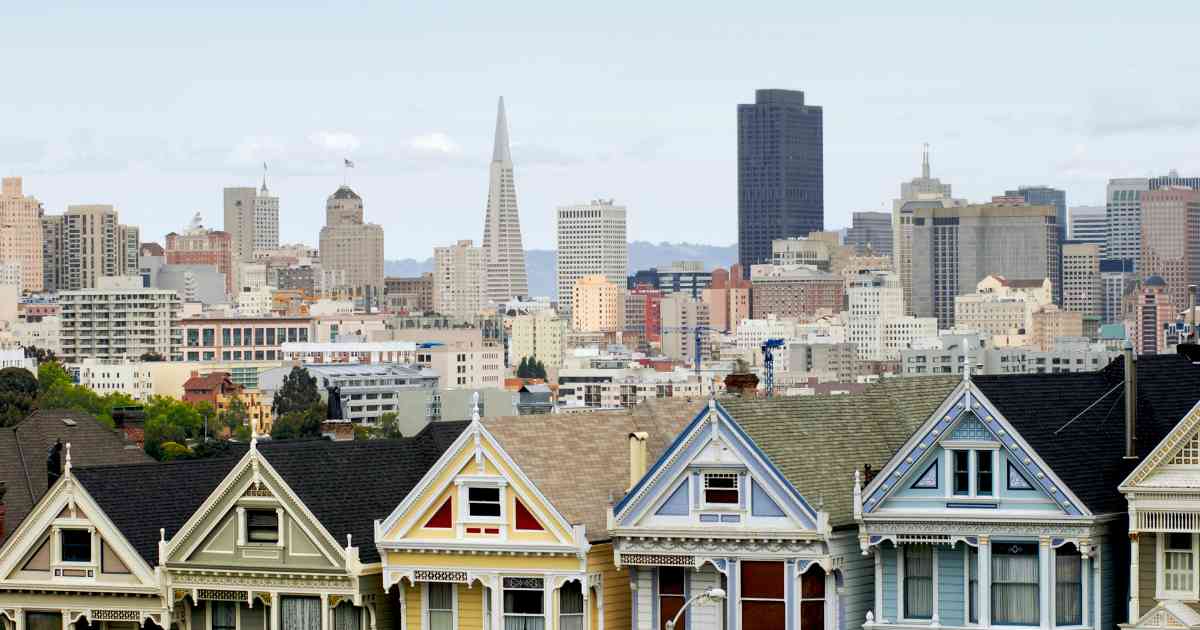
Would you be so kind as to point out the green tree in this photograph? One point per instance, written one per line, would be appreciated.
(523, 368)
(389, 426)
(299, 424)
(152, 356)
(41, 355)
(18, 395)
(52, 373)
(175, 450)
(235, 415)
(297, 394)
(537, 369)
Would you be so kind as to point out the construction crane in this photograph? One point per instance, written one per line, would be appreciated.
(768, 348)
(694, 330)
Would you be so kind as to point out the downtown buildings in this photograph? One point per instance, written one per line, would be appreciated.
(504, 254)
(592, 241)
(921, 192)
(21, 233)
(252, 221)
(351, 245)
(458, 276)
(84, 244)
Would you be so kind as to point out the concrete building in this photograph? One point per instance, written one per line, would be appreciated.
(954, 248)
(349, 352)
(241, 338)
(920, 192)
(350, 244)
(21, 234)
(38, 332)
(119, 319)
(255, 302)
(463, 357)
(825, 362)
(751, 333)
(781, 175)
(362, 392)
(458, 280)
(728, 298)
(681, 317)
(901, 332)
(202, 284)
(874, 298)
(597, 305)
(1170, 242)
(871, 232)
(1002, 308)
(1117, 280)
(540, 336)
(814, 252)
(1049, 323)
(1088, 224)
(1083, 289)
(409, 295)
(794, 291)
(84, 244)
(125, 376)
(252, 221)
(15, 357)
(199, 246)
(1154, 312)
(504, 254)
(683, 276)
(949, 353)
(1124, 212)
(592, 241)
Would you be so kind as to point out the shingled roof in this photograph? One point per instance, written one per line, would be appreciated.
(580, 461)
(1085, 446)
(23, 449)
(339, 482)
(817, 442)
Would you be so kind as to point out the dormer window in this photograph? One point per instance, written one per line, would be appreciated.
(76, 545)
(483, 502)
(262, 526)
(972, 472)
(721, 489)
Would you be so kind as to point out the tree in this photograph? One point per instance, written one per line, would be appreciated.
(523, 368)
(175, 450)
(537, 369)
(236, 415)
(52, 373)
(41, 355)
(297, 394)
(299, 424)
(389, 426)
(18, 395)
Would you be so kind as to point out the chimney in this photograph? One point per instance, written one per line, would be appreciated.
(1130, 402)
(54, 463)
(637, 456)
(1192, 312)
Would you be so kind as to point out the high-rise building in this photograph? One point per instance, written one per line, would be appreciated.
(794, 291)
(1170, 243)
(728, 299)
(504, 259)
(199, 246)
(1088, 224)
(1153, 311)
(1124, 210)
(871, 231)
(920, 192)
(252, 220)
(1083, 289)
(458, 280)
(954, 248)
(350, 244)
(539, 336)
(412, 295)
(591, 241)
(21, 233)
(874, 298)
(1047, 196)
(1117, 279)
(86, 243)
(119, 319)
(781, 176)
(683, 276)
(682, 316)
(597, 305)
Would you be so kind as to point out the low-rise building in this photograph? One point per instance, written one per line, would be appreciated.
(241, 338)
(125, 376)
(219, 390)
(357, 393)
(794, 291)
(948, 354)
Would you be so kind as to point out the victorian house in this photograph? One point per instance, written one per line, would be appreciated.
(509, 529)
(753, 497)
(1002, 509)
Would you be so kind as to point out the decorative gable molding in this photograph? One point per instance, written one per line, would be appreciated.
(1181, 447)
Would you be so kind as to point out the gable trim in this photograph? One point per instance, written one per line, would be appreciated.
(1165, 450)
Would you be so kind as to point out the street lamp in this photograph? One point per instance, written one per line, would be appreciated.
(711, 595)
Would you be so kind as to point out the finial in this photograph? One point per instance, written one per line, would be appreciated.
(67, 465)
(254, 442)
(475, 407)
(349, 538)
(925, 161)
(966, 368)
(162, 534)
(857, 493)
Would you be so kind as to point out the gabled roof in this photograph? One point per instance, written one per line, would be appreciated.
(580, 461)
(23, 449)
(339, 482)
(817, 442)
(1076, 422)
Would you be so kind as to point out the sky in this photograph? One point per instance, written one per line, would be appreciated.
(155, 107)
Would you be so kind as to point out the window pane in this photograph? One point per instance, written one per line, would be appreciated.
(983, 473)
(670, 580)
(812, 584)
(570, 598)
(1179, 563)
(962, 472)
(973, 584)
(812, 615)
(1068, 587)
(76, 545)
(300, 613)
(483, 494)
(441, 596)
(918, 582)
(762, 580)
(224, 615)
(523, 602)
(1015, 584)
(764, 614)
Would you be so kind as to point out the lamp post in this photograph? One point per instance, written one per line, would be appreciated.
(711, 595)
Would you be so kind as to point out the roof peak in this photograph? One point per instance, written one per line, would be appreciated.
(500, 151)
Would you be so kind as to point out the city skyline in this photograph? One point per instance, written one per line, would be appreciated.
(419, 132)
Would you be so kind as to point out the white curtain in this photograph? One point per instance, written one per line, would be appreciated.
(570, 606)
(973, 584)
(1015, 585)
(524, 610)
(441, 606)
(918, 582)
(347, 616)
(300, 613)
(224, 615)
(1068, 587)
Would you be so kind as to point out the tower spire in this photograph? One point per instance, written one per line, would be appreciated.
(264, 184)
(500, 152)
(925, 161)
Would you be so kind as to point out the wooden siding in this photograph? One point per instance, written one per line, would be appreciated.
(952, 602)
(1147, 565)
(858, 579)
(889, 582)
(617, 596)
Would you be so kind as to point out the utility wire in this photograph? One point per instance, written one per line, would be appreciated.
(1086, 409)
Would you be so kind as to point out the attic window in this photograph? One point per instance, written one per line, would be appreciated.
(262, 526)
(76, 545)
(483, 502)
(721, 488)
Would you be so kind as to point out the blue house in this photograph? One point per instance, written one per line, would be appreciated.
(1003, 509)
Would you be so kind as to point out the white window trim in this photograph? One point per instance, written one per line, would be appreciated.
(425, 604)
(56, 552)
(743, 483)
(548, 604)
(237, 614)
(1160, 591)
(967, 583)
(900, 588)
(464, 504)
(1085, 572)
(973, 449)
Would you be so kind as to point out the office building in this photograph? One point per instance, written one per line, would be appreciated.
(780, 172)
(810, 250)
(463, 357)
(1088, 224)
(643, 314)
(365, 392)
(870, 232)
(1044, 196)
(540, 336)
(1124, 211)
(84, 244)
(1002, 308)
(119, 319)
(21, 234)
(682, 317)
(591, 242)
(920, 192)
(597, 305)
(1117, 280)
(954, 248)
(252, 221)
(1153, 312)
(1170, 244)
(900, 333)
(874, 298)
(110, 376)
(794, 291)
(800, 363)
(199, 284)
(458, 276)
(241, 338)
(351, 245)
(948, 354)
(683, 276)
(728, 298)
(504, 255)
(198, 246)
(409, 294)
(1083, 289)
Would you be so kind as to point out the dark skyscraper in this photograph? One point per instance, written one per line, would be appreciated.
(1047, 196)
(781, 177)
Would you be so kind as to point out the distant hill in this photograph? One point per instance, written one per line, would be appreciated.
(642, 255)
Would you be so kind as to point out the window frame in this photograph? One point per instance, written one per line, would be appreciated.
(247, 510)
(973, 450)
(546, 605)
(738, 490)
(582, 614)
(91, 561)
(208, 614)
(742, 599)
(1084, 576)
(1160, 572)
(993, 545)
(425, 609)
(465, 502)
(900, 595)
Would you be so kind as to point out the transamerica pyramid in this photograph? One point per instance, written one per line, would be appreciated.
(505, 276)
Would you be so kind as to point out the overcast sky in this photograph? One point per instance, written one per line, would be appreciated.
(155, 109)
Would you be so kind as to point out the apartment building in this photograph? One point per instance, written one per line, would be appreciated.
(241, 338)
(120, 319)
(21, 234)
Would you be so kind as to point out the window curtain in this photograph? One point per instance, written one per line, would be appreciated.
(441, 606)
(524, 610)
(224, 615)
(1015, 584)
(973, 584)
(1068, 587)
(570, 606)
(43, 621)
(1179, 569)
(347, 616)
(918, 582)
(300, 613)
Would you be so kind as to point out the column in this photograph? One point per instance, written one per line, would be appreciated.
(878, 612)
(1096, 584)
(325, 612)
(983, 599)
(1044, 585)
(19, 624)
(1134, 605)
(498, 604)
(733, 594)
(275, 606)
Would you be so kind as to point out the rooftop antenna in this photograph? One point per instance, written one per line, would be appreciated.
(264, 184)
(925, 161)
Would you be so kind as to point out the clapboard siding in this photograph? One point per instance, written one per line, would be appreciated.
(889, 582)
(1147, 567)
(951, 589)
(858, 580)
(617, 600)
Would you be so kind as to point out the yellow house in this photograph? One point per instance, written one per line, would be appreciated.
(509, 529)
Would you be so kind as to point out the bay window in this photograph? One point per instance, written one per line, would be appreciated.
(1015, 600)
(918, 582)
(1068, 586)
(1177, 559)
(524, 603)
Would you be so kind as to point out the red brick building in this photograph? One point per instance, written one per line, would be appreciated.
(198, 246)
